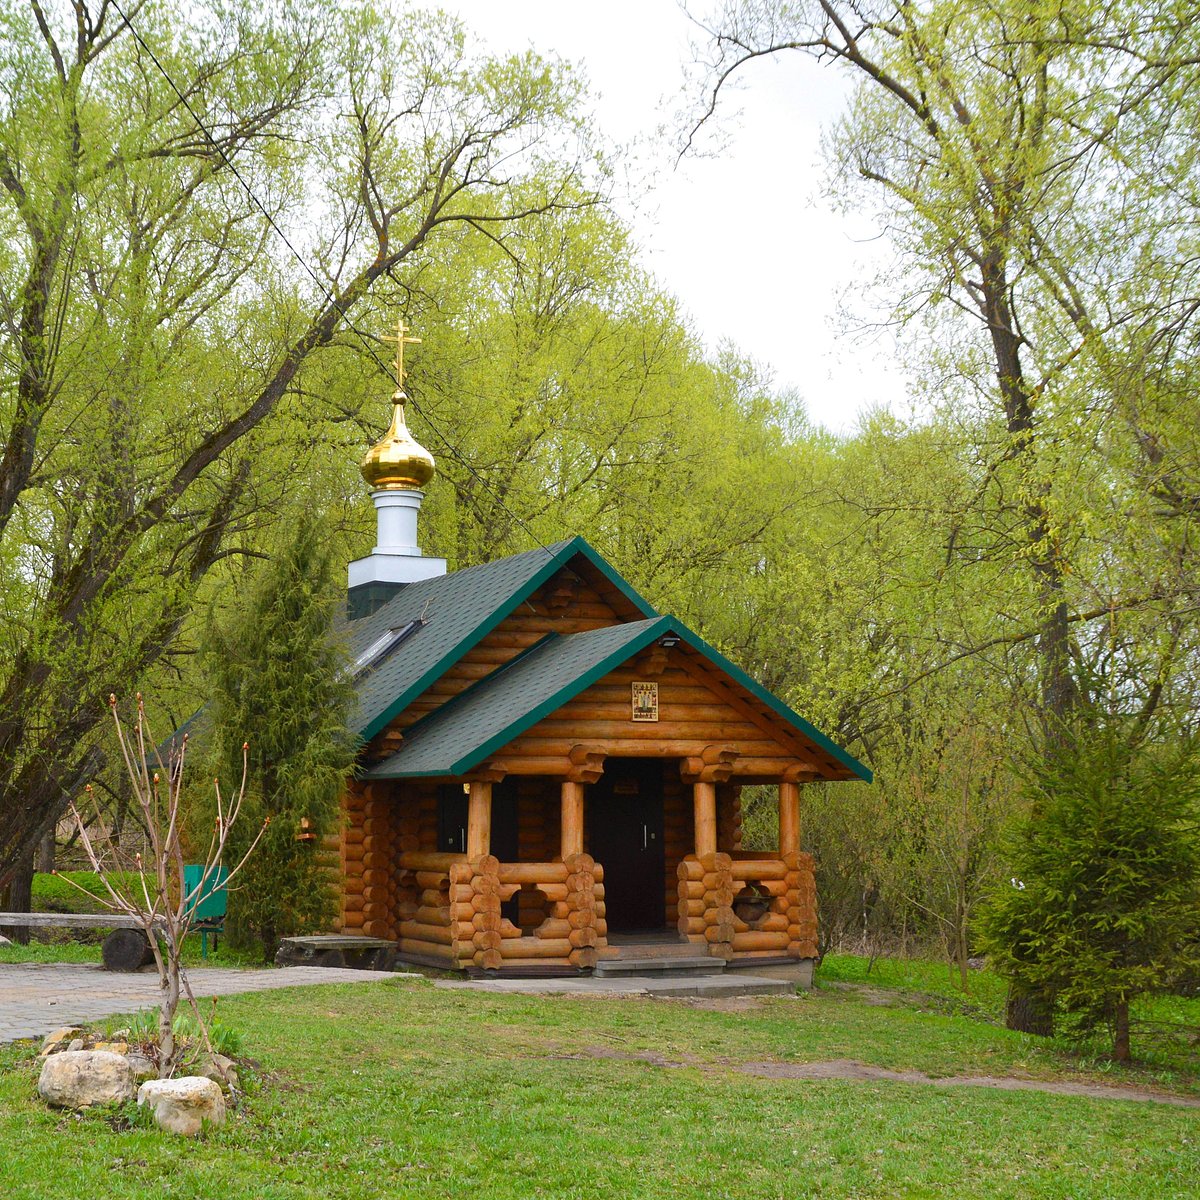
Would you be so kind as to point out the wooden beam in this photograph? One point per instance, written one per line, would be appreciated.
(704, 799)
(572, 818)
(789, 818)
(479, 819)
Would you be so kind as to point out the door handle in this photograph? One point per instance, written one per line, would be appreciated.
(645, 836)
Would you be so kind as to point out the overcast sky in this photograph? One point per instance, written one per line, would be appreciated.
(745, 239)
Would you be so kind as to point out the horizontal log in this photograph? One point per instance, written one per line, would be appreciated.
(425, 933)
(584, 957)
(488, 939)
(750, 870)
(433, 881)
(690, 869)
(432, 949)
(755, 940)
(430, 860)
(555, 927)
(539, 873)
(433, 916)
(531, 947)
(687, 924)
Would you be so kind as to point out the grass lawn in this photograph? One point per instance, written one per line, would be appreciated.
(402, 1089)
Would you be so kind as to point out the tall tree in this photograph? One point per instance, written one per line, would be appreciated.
(276, 670)
(152, 324)
(1032, 165)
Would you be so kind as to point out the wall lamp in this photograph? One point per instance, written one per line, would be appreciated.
(668, 641)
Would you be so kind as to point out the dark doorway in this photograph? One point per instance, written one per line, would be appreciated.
(452, 820)
(624, 820)
(452, 826)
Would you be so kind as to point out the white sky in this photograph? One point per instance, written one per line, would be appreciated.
(745, 239)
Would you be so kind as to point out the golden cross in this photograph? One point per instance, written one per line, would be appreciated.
(401, 339)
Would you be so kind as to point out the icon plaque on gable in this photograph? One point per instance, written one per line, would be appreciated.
(645, 701)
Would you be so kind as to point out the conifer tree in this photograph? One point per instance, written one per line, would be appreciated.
(1103, 902)
(276, 669)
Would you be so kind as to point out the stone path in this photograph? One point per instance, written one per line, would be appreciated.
(36, 998)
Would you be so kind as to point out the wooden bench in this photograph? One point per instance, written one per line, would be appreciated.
(125, 949)
(337, 950)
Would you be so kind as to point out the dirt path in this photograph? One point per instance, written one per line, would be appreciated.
(851, 1070)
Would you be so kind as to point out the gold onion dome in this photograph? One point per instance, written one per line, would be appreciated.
(398, 461)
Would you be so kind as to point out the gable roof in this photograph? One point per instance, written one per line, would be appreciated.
(466, 730)
(453, 613)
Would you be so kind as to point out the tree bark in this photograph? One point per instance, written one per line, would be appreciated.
(20, 895)
(1029, 1012)
(1121, 1051)
(46, 851)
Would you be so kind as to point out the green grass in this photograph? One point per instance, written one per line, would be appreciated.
(69, 950)
(405, 1090)
(1165, 1029)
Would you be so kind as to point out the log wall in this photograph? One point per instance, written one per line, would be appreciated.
(710, 886)
(692, 716)
(571, 935)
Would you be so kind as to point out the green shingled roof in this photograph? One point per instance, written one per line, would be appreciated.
(465, 731)
(498, 708)
(457, 610)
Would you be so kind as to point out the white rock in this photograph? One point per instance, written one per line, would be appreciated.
(4, 941)
(184, 1105)
(78, 1078)
(220, 1070)
(141, 1066)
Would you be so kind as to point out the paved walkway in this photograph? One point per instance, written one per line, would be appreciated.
(36, 998)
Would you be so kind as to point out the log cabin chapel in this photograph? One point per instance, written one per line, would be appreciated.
(551, 770)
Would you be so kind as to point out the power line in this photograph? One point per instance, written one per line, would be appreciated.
(329, 296)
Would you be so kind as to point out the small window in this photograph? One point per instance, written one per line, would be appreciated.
(384, 643)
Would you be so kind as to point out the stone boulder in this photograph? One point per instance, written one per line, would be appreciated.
(80, 1078)
(183, 1105)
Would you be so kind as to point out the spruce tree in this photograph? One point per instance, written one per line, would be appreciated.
(277, 676)
(1102, 903)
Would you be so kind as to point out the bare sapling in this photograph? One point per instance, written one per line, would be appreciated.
(150, 888)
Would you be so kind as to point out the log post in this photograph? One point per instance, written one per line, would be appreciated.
(479, 819)
(572, 819)
(789, 818)
(704, 797)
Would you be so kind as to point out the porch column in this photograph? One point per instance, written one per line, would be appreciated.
(789, 818)
(704, 799)
(572, 818)
(587, 765)
(479, 819)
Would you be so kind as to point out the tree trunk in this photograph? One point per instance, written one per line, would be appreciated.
(1029, 1012)
(46, 851)
(20, 895)
(1121, 1050)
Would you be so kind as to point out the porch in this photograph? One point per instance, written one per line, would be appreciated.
(525, 874)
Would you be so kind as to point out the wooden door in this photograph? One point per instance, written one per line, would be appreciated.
(624, 824)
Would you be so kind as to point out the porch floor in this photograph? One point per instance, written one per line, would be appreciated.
(695, 987)
(657, 943)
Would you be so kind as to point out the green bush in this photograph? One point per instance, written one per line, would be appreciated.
(1103, 899)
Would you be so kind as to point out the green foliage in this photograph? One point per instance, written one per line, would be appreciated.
(280, 680)
(1103, 903)
(56, 893)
